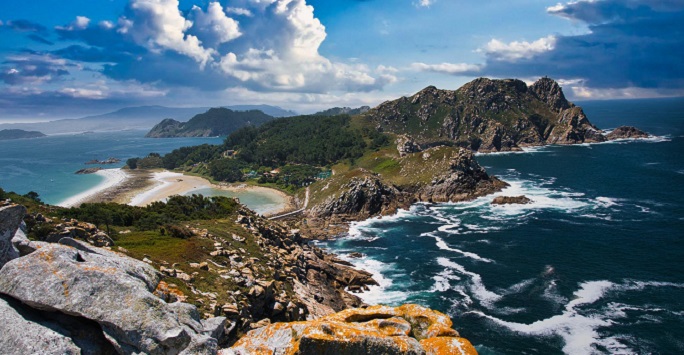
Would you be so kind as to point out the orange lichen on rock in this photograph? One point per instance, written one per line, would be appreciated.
(448, 346)
(405, 330)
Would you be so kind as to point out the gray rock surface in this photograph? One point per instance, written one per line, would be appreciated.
(10, 219)
(108, 288)
(26, 331)
(626, 132)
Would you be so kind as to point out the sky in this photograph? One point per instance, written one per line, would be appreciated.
(63, 59)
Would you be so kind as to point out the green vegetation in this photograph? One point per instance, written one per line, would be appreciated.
(298, 148)
(215, 122)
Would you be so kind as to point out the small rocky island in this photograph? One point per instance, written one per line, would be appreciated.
(103, 162)
(8, 134)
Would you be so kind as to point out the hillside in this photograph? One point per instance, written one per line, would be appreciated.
(343, 111)
(7, 134)
(488, 115)
(214, 122)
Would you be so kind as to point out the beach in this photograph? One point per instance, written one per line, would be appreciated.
(141, 188)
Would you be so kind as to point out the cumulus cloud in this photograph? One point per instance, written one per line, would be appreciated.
(424, 3)
(213, 27)
(81, 22)
(498, 50)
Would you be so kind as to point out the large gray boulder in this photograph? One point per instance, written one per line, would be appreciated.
(10, 219)
(27, 331)
(108, 288)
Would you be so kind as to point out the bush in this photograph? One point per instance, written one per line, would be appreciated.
(177, 231)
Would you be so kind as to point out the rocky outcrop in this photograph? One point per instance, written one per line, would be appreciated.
(405, 330)
(626, 132)
(11, 217)
(87, 171)
(465, 180)
(364, 196)
(71, 228)
(406, 145)
(488, 115)
(108, 289)
(511, 200)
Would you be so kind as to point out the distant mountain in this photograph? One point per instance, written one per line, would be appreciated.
(214, 122)
(7, 134)
(488, 115)
(132, 118)
(343, 111)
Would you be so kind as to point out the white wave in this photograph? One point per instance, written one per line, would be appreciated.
(477, 287)
(607, 202)
(378, 294)
(579, 328)
(441, 244)
(519, 287)
(112, 177)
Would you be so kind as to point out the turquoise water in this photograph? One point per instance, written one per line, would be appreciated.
(594, 265)
(47, 165)
(262, 203)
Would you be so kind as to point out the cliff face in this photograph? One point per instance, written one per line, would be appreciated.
(215, 122)
(488, 115)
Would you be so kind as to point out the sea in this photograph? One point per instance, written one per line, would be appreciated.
(594, 265)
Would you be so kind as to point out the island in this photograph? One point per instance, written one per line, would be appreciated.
(8, 134)
(213, 123)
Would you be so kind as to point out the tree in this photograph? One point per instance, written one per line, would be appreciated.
(33, 195)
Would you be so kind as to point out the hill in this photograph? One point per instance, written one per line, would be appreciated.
(488, 115)
(214, 122)
(7, 134)
(142, 117)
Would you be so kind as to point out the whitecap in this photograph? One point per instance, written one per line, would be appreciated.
(441, 244)
(477, 287)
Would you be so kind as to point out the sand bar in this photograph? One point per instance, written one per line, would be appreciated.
(112, 178)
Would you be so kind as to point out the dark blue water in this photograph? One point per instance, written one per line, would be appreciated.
(47, 165)
(594, 265)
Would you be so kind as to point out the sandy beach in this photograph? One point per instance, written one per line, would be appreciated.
(140, 188)
(113, 178)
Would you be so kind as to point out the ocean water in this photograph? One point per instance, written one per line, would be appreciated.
(47, 165)
(594, 265)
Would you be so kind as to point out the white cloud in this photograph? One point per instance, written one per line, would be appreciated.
(424, 3)
(79, 23)
(159, 25)
(448, 68)
(516, 50)
(213, 27)
(239, 11)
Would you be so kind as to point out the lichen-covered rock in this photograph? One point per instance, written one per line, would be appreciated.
(110, 289)
(10, 219)
(409, 329)
(626, 132)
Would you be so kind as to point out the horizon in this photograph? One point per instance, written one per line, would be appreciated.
(81, 59)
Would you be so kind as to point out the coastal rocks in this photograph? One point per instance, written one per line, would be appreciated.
(365, 196)
(107, 288)
(104, 162)
(510, 200)
(548, 91)
(573, 127)
(465, 180)
(405, 330)
(626, 132)
(87, 171)
(79, 230)
(11, 217)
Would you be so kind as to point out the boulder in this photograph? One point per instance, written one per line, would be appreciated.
(10, 219)
(110, 289)
(28, 331)
(626, 132)
(510, 200)
(409, 329)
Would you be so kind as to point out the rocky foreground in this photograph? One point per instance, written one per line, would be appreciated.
(67, 296)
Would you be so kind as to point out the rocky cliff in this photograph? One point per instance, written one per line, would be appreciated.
(489, 115)
(213, 123)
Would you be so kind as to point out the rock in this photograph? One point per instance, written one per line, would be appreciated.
(88, 171)
(409, 329)
(510, 200)
(368, 196)
(203, 266)
(230, 310)
(28, 331)
(355, 255)
(626, 132)
(10, 219)
(406, 145)
(108, 288)
(214, 327)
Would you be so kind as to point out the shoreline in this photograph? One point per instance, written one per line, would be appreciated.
(141, 188)
(112, 178)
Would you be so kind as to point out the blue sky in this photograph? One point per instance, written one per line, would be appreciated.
(77, 57)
